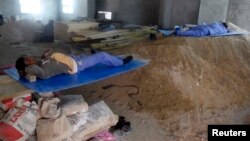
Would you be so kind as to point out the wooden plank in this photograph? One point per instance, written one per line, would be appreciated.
(79, 39)
(123, 40)
(95, 34)
(62, 30)
(10, 88)
(109, 46)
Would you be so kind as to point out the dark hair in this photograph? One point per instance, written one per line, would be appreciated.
(20, 65)
(225, 24)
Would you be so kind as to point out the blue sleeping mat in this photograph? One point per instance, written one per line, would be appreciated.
(166, 32)
(65, 81)
(232, 33)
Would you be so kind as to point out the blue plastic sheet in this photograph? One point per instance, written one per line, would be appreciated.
(167, 32)
(65, 81)
(232, 33)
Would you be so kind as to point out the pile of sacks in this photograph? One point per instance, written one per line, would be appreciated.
(61, 118)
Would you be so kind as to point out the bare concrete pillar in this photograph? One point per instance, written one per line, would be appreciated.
(213, 10)
(178, 12)
(91, 8)
(165, 13)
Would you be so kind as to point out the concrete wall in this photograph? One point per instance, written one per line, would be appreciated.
(143, 12)
(165, 13)
(80, 9)
(239, 13)
(12, 7)
(9, 7)
(1, 6)
(50, 10)
(184, 11)
(91, 8)
(178, 12)
(213, 10)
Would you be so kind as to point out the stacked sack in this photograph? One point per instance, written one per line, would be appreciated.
(20, 121)
(54, 124)
(61, 118)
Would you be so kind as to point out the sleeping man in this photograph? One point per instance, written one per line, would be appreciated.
(57, 63)
(212, 29)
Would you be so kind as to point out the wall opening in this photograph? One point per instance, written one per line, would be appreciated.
(30, 6)
(67, 6)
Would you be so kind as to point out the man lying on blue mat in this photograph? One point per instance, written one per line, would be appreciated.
(212, 29)
(58, 63)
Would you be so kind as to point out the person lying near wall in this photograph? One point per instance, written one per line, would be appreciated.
(52, 64)
(212, 29)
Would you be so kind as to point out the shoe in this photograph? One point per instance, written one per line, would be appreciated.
(122, 127)
(126, 128)
(152, 36)
(93, 51)
(127, 59)
(120, 123)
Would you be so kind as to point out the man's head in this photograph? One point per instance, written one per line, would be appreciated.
(225, 24)
(29, 60)
(23, 62)
(20, 66)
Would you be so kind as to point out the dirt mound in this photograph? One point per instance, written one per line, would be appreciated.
(190, 83)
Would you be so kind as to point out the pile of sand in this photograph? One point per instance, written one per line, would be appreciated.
(190, 83)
